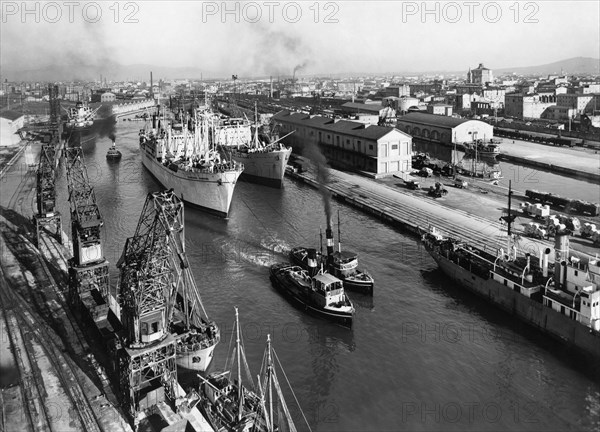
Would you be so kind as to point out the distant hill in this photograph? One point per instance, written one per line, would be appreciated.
(112, 71)
(575, 65)
(117, 72)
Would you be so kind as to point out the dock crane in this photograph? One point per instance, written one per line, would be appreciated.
(159, 304)
(48, 217)
(88, 269)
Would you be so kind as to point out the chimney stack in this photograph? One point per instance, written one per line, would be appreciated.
(329, 237)
(312, 262)
(545, 264)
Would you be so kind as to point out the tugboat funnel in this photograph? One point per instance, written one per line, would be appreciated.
(312, 262)
(329, 236)
(545, 264)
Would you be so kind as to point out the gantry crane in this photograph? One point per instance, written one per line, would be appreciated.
(48, 217)
(88, 269)
(155, 286)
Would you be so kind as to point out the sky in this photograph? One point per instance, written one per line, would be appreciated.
(273, 37)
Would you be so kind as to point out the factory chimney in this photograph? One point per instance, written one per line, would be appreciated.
(271, 91)
(151, 85)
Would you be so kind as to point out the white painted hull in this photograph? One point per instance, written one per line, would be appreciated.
(263, 167)
(198, 360)
(211, 191)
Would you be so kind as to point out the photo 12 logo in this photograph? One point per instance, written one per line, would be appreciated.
(69, 11)
(470, 12)
(270, 11)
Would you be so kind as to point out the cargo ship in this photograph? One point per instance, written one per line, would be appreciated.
(341, 264)
(263, 155)
(562, 299)
(186, 161)
(81, 116)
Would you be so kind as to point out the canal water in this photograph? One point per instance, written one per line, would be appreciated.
(522, 177)
(422, 354)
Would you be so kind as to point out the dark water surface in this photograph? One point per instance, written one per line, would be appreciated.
(422, 355)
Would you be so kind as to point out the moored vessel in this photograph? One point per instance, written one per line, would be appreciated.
(81, 116)
(562, 299)
(234, 406)
(187, 162)
(263, 154)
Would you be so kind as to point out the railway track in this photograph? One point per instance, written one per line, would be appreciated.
(64, 367)
(27, 329)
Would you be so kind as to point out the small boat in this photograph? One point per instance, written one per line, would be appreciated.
(113, 153)
(341, 264)
(319, 293)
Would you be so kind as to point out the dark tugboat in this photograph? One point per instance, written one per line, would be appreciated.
(319, 293)
(113, 153)
(341, 264)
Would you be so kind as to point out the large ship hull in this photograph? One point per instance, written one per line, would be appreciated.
(534, 313)
(266, 168)
(195, 360)
(209, 191)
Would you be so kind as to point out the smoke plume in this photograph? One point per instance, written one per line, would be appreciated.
(106, 127)
(315, 155)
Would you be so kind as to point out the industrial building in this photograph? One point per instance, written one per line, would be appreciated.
(528, 106)
(444, 129)
(372, 149)
(10, 123)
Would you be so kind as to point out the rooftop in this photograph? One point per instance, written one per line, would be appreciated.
(433, 119)
(11, 115)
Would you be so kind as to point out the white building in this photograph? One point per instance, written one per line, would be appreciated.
(444, 129)
(10, 123)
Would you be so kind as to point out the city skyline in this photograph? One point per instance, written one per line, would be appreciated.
(276, 38)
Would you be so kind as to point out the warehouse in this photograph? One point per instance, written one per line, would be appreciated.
(374, 150)
(444, 129)
(10, 123)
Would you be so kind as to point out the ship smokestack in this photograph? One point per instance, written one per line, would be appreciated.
(329, 237)
(561, 251)
(545, 264)
(154, 121)
(312, 262)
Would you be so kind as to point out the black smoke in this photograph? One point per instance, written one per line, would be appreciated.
(106, 127)
(314, 154)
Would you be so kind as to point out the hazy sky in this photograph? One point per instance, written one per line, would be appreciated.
(274, 37)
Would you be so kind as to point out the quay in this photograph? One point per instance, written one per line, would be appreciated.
(472, 216)
(53, 378)
(573, 162)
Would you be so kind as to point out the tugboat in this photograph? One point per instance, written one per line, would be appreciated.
(319, 293)
(341, 264)
(113, 153)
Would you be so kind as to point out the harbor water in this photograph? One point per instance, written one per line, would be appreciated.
(422, 355)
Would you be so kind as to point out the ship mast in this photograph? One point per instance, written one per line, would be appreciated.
(270, 380)
(239, 366)
(339, 234)
(509, 220)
